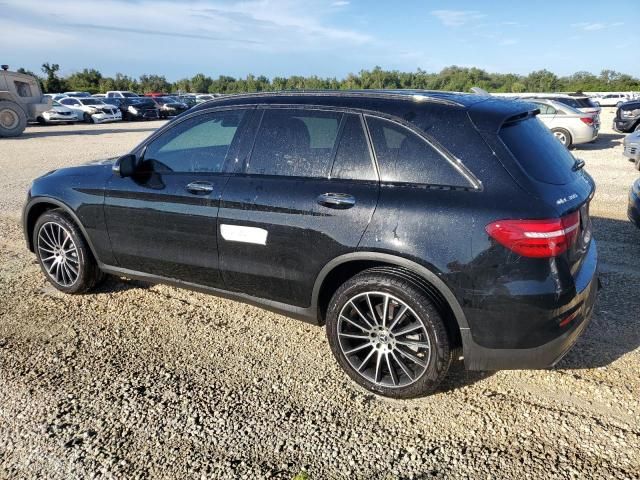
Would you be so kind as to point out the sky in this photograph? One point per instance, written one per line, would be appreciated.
(328, 38)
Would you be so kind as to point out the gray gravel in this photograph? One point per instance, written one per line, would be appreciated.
(139, 381)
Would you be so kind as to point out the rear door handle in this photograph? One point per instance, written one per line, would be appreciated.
(336, 200)
(200, 188)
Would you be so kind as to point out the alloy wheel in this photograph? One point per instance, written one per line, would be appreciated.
(58, 254)
(383, 339)
(561, 136)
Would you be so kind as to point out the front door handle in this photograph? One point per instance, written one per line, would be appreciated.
(200, 188)
(336, 200)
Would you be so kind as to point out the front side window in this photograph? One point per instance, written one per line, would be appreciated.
(295, 142)
(199, 144)
(22, 88)
(403, 156)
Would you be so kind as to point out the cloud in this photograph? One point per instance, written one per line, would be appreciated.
(595, 26)
(457, 18)
(340, 3)
(509, 41)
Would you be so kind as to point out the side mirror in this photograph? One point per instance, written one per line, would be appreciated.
(125, 166)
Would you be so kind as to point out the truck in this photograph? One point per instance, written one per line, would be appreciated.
(21, 101)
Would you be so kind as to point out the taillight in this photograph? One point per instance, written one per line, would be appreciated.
(587, 120)
(536, 238)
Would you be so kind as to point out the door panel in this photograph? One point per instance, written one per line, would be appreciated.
(163, 220)
(278, 231)
(158, 227)
(302, 236)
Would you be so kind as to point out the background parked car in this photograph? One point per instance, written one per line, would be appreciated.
(55, 96)
(58, 114)
(170, 106)
(632, 147)
(155, 94)
(189, 100)
(121, 94)
(570, 126)
(627, 117)
(611, 100)
(93, 109)
(579, 102)
(204, 98)
(135, 108)
(633, 211)
(78, 94)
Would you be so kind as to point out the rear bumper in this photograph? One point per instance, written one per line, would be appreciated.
(478, 357)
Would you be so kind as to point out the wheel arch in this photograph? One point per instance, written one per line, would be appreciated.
(345, 266)
(38, 206)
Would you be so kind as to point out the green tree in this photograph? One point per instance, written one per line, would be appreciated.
(87, 80)
(153, 83)
(52, 83)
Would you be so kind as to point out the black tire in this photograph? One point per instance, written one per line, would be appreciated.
(563, 136)
(88, 274)
(41, 120)
(13, 120)
(399, 290)
(637, 127)
(87, 118)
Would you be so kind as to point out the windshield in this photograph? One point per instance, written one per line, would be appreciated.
(91, 101)
(538, 152)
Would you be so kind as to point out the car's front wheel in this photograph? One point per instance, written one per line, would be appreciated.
(63, 253)
(388, 335)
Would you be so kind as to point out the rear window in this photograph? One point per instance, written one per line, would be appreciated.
(539, 153)
(585, 103)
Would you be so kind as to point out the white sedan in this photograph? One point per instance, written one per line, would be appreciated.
(93, 109)
(58, 114)
(567, 124)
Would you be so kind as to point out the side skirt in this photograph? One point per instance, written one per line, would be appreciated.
(299, 313)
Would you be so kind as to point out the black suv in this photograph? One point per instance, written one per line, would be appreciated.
(412, 224)
(627, 117)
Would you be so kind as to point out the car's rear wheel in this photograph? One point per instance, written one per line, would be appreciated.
(563, 136)
(63, 253)
(388, 335)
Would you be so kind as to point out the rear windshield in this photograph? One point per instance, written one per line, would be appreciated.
(539, 153)
(585, 103)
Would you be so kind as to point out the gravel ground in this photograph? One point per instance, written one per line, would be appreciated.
(139, 381)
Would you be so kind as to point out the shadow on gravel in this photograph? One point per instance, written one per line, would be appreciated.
(91, 130)
(604, 140)
(459, 377)
(113, 284)
(615, 326)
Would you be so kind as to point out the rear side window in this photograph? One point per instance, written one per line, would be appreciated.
(353, 160)
(298, 143)
(406, 157)
(538, 152)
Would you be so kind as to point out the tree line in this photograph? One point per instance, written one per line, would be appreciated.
(452, 78)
